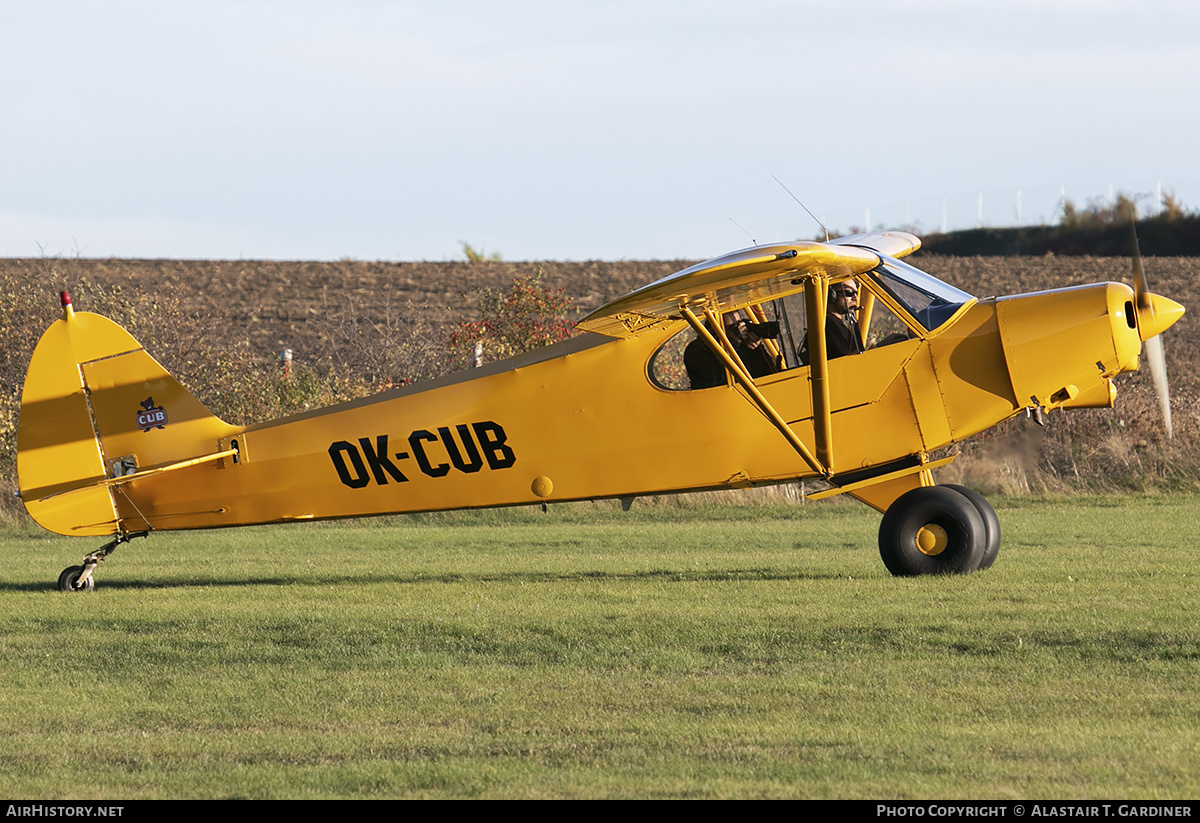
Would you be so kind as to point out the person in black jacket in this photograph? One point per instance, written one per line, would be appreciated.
(749, 341)
(705, 370)
(841, 321)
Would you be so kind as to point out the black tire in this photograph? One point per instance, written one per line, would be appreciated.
(991, 524)
(70, 577)
(932, 530)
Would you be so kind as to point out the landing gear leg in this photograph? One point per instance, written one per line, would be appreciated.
(79, 578)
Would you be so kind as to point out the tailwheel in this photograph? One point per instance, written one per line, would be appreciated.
(933, 530)
(79, 578)
(69, 580)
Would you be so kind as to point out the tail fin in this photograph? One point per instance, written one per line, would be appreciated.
(96, 407)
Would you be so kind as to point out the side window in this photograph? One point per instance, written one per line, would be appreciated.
(666, 368)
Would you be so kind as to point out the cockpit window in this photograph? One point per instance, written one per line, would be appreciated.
(926, 298)
(772, 336)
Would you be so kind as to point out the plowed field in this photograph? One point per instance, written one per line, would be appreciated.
(272, 304)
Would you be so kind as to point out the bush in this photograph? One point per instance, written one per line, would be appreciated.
(523, 317)
(381, 348)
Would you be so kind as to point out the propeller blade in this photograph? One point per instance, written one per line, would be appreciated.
(1158, 371)
(1155, 314)
(1141, 287)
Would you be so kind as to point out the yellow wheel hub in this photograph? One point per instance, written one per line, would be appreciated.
(932, 540)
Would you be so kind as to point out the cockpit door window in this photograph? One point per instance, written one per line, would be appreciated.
(930, 301)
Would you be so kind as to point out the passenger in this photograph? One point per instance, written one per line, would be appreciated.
(704, 368)
(748, 341)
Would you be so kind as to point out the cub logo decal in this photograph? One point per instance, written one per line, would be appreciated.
(151, 416)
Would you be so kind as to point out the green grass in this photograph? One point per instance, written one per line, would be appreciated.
(668, 652)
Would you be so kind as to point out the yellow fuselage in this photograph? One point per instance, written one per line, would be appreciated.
(583, 420)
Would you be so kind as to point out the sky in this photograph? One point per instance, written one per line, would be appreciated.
(560, 130)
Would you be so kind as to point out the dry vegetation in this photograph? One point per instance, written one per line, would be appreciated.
(356, 327)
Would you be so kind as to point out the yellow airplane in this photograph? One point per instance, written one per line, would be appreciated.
(834, 361)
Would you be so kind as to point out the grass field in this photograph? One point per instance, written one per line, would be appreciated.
(702, 651)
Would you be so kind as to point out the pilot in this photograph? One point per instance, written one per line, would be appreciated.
(841, 322)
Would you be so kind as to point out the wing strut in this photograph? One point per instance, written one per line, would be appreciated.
(815, 306)
(743, 378)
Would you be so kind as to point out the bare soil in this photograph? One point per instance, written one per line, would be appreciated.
(273, 304)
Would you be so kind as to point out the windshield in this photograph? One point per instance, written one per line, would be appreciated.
(926, 298)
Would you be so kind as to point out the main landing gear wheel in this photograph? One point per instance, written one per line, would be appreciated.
(68, 581)
(932, 530)
(991, 524)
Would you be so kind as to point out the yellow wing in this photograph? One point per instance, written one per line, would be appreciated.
(744, 277)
